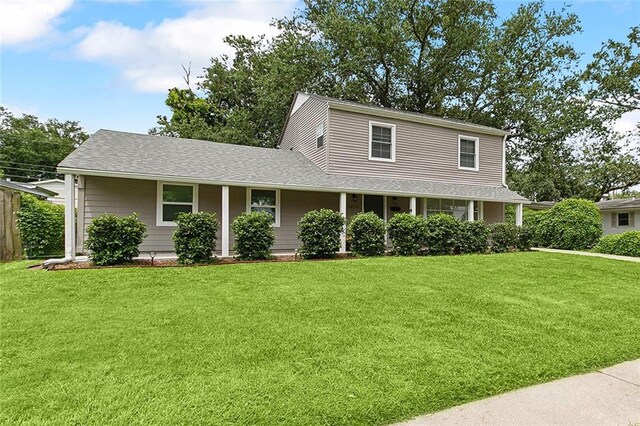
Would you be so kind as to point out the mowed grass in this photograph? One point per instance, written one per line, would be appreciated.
(368, 341)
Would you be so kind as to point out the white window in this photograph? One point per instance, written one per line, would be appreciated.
(467, 153)
(456, 208)
(624, 219)
(320, 136)
(382, 141)
(264, 200)
(174, 198)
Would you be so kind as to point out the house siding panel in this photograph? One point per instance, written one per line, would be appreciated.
(423, 152)
(608, 229)
(493, 212)
(300, 133)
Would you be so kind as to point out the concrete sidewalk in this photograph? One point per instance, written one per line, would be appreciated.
(607, 397)
(589, 253)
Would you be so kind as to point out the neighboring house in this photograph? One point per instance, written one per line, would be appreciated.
(57, 187)
(541, 205)
(27, 188)
(620, 215)
(333, 154)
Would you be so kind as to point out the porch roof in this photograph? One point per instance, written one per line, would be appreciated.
(131, 155)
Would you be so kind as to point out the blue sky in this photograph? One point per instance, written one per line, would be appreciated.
(109, 63)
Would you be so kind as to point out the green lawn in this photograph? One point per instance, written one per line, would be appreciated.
(339, 342)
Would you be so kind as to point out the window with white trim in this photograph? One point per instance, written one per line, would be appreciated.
(382, 141)
(320, 136)
(175, 198)
(456, 208)
(467, 153)
(264, 200)
(624, 219)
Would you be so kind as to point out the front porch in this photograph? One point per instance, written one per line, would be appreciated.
(156, 202)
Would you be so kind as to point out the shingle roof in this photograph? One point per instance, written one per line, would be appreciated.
(408, 114)
(619, 203)
(133, 155)
(25, 187)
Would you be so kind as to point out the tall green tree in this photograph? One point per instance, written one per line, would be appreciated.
(31, 149)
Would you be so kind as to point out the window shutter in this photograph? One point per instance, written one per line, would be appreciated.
(632, 221)
(614, 220)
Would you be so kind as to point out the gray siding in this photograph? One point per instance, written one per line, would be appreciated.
(300, 133)
(423, 152)
(125, 196)
(608, 222)
(493, 212)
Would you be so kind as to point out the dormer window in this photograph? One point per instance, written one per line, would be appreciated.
(382, 141)
(467, 153)
(320, 136)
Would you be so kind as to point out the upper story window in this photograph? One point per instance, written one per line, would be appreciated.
(175, 198)
(320, 136)
(264, 200)
(467, 153)
(382, 141)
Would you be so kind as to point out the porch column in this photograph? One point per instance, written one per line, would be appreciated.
(343, 212)
(70, 217)
(480, 210)
(519, 214)
(225, 221)
(470, 207)
(413, 206)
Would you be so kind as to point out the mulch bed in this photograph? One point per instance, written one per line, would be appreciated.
(146, 263)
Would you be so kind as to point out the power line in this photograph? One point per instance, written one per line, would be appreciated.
(12, 138)
(23, 169)
(27, 164)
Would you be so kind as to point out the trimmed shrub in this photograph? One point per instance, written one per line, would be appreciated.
(503, 237)
(571, 224)
(320, 231)
(442, 234)
(524, 237)
(407, 233)
(113, 240)
(254, 235)
(41, 226)
(473, 237)
(625, 244)
(366, 231)
(195, 238)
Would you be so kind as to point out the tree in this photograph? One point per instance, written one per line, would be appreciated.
(31, 150)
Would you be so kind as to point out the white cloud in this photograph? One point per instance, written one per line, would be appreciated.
(150, 58)
(25, 20)
(627, 122)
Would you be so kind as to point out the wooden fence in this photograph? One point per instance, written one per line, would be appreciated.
(10, 243)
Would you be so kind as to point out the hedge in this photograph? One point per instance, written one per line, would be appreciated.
(112, 240)
(473, 237)
(366, 232)
(571, 224)
(320, 232)
(503, 237)
(407, 233)
(254, 235)
(195, 237)
(41, 226)
(625, 244)
(442, 234)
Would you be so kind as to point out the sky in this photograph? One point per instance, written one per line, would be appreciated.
(109, 63)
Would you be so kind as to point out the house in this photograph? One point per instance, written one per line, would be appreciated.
(620, 215)
(57, 187)
(332, 154)
(26, 188)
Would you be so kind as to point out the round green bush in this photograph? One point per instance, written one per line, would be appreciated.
(625, 244)
(407, 233)
(195, 237)
(525, 236)
(503, 237)
(112, 240)
(41, 226)
(571, 224)
(473, 237)
(320, 231)
(254, 235)
(442, 233)
(366, 231)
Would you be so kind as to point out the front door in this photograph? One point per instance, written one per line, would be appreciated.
(374, 203)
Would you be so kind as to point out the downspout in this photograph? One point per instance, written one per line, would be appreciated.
(69, 224)
(504, 161)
